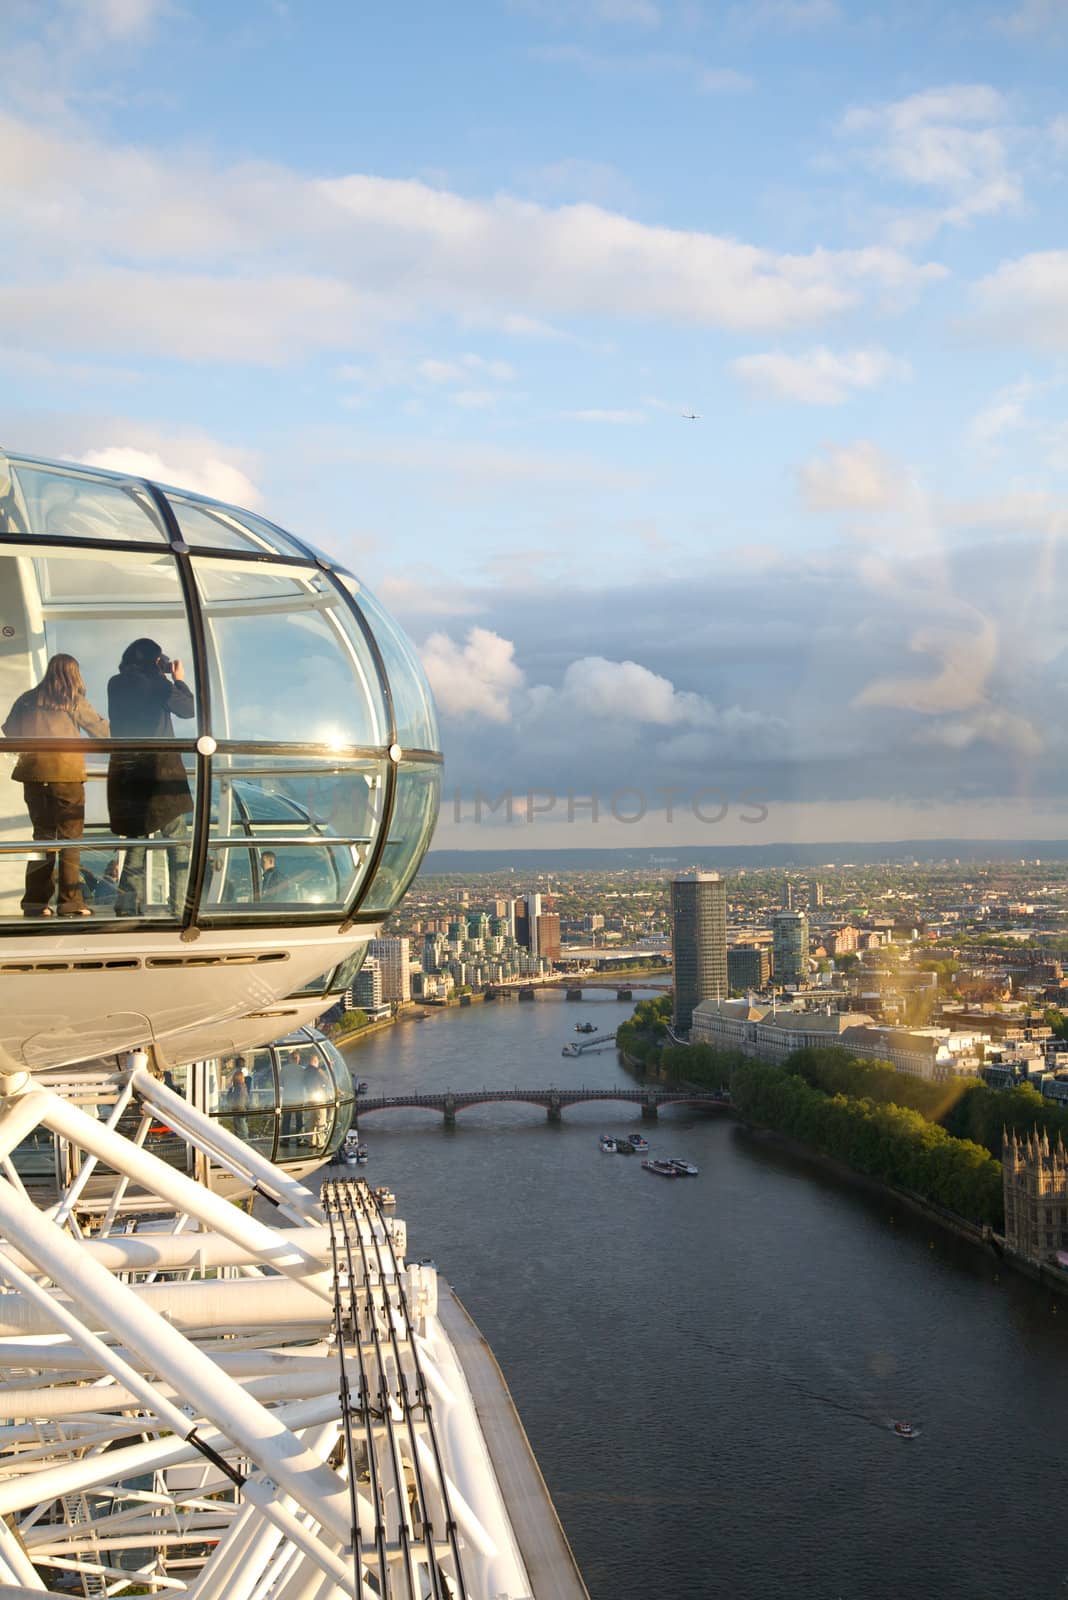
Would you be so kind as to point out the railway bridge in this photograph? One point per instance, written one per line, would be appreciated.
(553, 1100)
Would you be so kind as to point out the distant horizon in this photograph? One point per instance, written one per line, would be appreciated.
(808, 855)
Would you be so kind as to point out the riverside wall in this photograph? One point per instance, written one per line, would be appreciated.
(973, 1233)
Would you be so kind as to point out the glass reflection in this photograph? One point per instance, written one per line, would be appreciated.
(53, 783)
(287, 656)
(289, 664)
(148, 791)
(413, 703)
(415, 815)
(272, 823)
(66, 504)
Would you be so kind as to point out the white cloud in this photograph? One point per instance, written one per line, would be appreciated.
(609, 690)
(723, 80)
(127, 248)
(1033, 16)
(122, 19)
(1026, 300)
(474, 399)
(1005, 413)
(990, 725)
(477, 678)
(955, 141)
(820, 377)
(641, 12)
(459, 371)
(856, 477)
(198, 465)
(617, 417)
(799, 15)
(191, 317)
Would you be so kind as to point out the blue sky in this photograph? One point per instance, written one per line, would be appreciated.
(435, 285)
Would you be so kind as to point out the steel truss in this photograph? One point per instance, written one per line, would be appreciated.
(196, 1401)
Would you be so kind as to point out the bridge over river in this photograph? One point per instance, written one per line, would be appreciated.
(553, 1100)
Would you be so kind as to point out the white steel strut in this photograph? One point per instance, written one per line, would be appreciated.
(219, 1406)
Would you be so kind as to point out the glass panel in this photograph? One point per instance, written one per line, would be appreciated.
(202, 522)
(307, 1102)
(288, 660)
(88, 654)
(71, 505)
(243, 1095)
(60, 854)
(413, 703)
(415, 814)
(289, 809)
(335, 1061)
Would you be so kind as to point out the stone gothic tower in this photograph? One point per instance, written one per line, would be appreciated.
(1035, 1175)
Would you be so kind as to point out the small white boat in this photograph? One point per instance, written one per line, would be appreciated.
(663, 1169)
(904, 1430)
(637, 1141)
(385, 1197)
(569, 1050)
(684, 1169)
(608, 1145)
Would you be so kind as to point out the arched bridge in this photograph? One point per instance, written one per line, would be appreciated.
(554, 1100)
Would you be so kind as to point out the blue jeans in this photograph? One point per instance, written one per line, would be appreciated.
(130, 899)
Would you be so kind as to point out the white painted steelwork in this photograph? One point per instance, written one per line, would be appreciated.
(225, 1407)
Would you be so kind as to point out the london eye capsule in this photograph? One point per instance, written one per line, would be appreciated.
(219, 761)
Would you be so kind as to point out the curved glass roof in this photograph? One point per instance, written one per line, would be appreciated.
(255, 740)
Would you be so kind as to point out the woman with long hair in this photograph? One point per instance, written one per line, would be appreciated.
(53, 782)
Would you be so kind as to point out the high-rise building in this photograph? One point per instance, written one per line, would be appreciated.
(394, 958)
(787, 895)
(527, 912)
(547, 929)
(815, 895)
(698, 941)
(367, 987)
(748, 967)
(790, 946)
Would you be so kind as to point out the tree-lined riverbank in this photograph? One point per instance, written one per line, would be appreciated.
(881, 1123)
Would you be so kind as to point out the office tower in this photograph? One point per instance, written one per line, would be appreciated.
(748, 967)
(698, 941)
(815, 896)
(547, 930)
(790, 945)
(527, 912)
(393, 957)
(787, 895)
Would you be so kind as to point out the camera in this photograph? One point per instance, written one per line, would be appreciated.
(165, 663)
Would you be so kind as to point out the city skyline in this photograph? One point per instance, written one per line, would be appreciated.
(690, 380)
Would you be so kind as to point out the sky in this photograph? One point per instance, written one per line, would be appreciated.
(689, 378)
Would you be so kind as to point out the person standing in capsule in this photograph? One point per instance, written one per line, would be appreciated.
(53, 782)
(148, 791)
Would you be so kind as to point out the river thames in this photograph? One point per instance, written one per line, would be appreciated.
(708, 1368)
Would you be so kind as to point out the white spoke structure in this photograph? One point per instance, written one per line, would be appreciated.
(197, 1402)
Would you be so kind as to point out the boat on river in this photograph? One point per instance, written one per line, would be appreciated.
(585, 1027)
(637, 1141)
(685, 1169)
(663, 1169)
(608, 1145)
(904, 1430)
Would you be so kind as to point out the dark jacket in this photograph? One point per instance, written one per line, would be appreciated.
(28, 719)
(148, 789)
